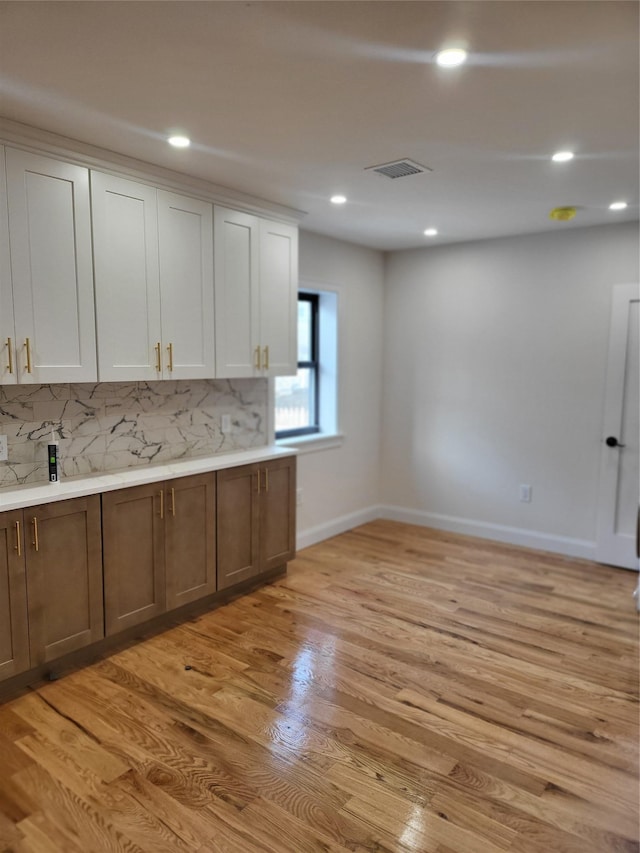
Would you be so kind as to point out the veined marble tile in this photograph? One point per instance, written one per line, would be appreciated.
(112, 426)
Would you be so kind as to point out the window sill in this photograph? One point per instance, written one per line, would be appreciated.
(312, 443)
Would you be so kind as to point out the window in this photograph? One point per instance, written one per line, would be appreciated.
(297, 397)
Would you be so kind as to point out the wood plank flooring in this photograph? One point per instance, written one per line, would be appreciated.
(400, 690)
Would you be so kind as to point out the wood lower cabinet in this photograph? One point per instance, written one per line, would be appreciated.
(256, 519)
(76, 570)
(50, 582)
(14, 630)
(63, 549)
(134, 577)
(159, 548)
(190, 538)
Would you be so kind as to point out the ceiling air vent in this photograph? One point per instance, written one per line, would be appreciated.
(399, 169)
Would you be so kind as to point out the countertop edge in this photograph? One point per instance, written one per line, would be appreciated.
(19, 497)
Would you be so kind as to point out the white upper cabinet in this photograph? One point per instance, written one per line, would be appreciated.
(236, 253)
(49, 219)
(154, 282)
(125, 247)
(278, 298)
(7, 326)
(185, 227)
(256, 282)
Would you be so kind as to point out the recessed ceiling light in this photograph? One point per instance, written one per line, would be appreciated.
(179, 141)
(338, 199)
(430, 232)
(618, 205)
(562, 156)
(451, 57)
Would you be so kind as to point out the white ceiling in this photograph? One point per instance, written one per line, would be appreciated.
(291, 101)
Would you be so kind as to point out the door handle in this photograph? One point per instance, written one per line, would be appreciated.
(612, 441)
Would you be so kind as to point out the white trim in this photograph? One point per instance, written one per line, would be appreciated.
(312, 443)
(568, 547)
(581, 548)
(308, 537)
(93, 157)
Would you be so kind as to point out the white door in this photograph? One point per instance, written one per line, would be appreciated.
(185, 228)
(619, 469)
(236, 252)
(52, 269)
(125, 239)
(279, 298)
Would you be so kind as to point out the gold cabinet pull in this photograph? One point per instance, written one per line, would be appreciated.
(18, 547)
(27, 344)
(170, 351)
(36, 541)
(265, 358)
(256, 357)
(258, 481)
(172, 492)
(266, 479)
(158, 358)
(161, 496)
(10, 352)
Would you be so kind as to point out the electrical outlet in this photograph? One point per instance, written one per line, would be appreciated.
(4, 451)
(525, 493)
(226, 424)
(299, 497)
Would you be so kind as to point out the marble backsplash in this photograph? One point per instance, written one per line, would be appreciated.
(115, 425)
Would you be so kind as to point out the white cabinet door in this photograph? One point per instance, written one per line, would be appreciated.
(236, 253)
(185, 228)
(51, 266)
(278, 298)
(8, 373)
(125, 235)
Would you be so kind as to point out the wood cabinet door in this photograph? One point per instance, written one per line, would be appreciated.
(52, 268)
(125, 237)
(190, 538)
(64, 576)
(238, 525)
(236, 258)
(14, 633)
(185, 231)
(278, 513)
(134, 576)
(279, 298)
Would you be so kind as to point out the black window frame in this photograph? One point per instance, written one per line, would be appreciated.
(312, 364)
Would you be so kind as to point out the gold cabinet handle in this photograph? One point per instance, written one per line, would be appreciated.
(258, 481)
(265, 358)
(170, 351)
(161, 496)
(18, 547)
(172, 492)
(10, 352)
(266, 479)
(36, 541)
(256, 356)
(27, 344)
(158, 358)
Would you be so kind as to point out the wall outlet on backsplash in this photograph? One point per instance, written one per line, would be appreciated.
(4, 450)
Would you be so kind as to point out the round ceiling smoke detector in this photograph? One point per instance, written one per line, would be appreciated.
(563, 214)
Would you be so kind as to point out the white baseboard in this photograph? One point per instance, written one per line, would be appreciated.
(336, 526)
(582, 548)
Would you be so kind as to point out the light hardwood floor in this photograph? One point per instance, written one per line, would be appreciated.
(400, 690)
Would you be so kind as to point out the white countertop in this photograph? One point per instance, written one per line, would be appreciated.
(19, 497)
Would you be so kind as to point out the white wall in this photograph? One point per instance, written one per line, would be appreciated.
(494, 366)
(341, 485)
